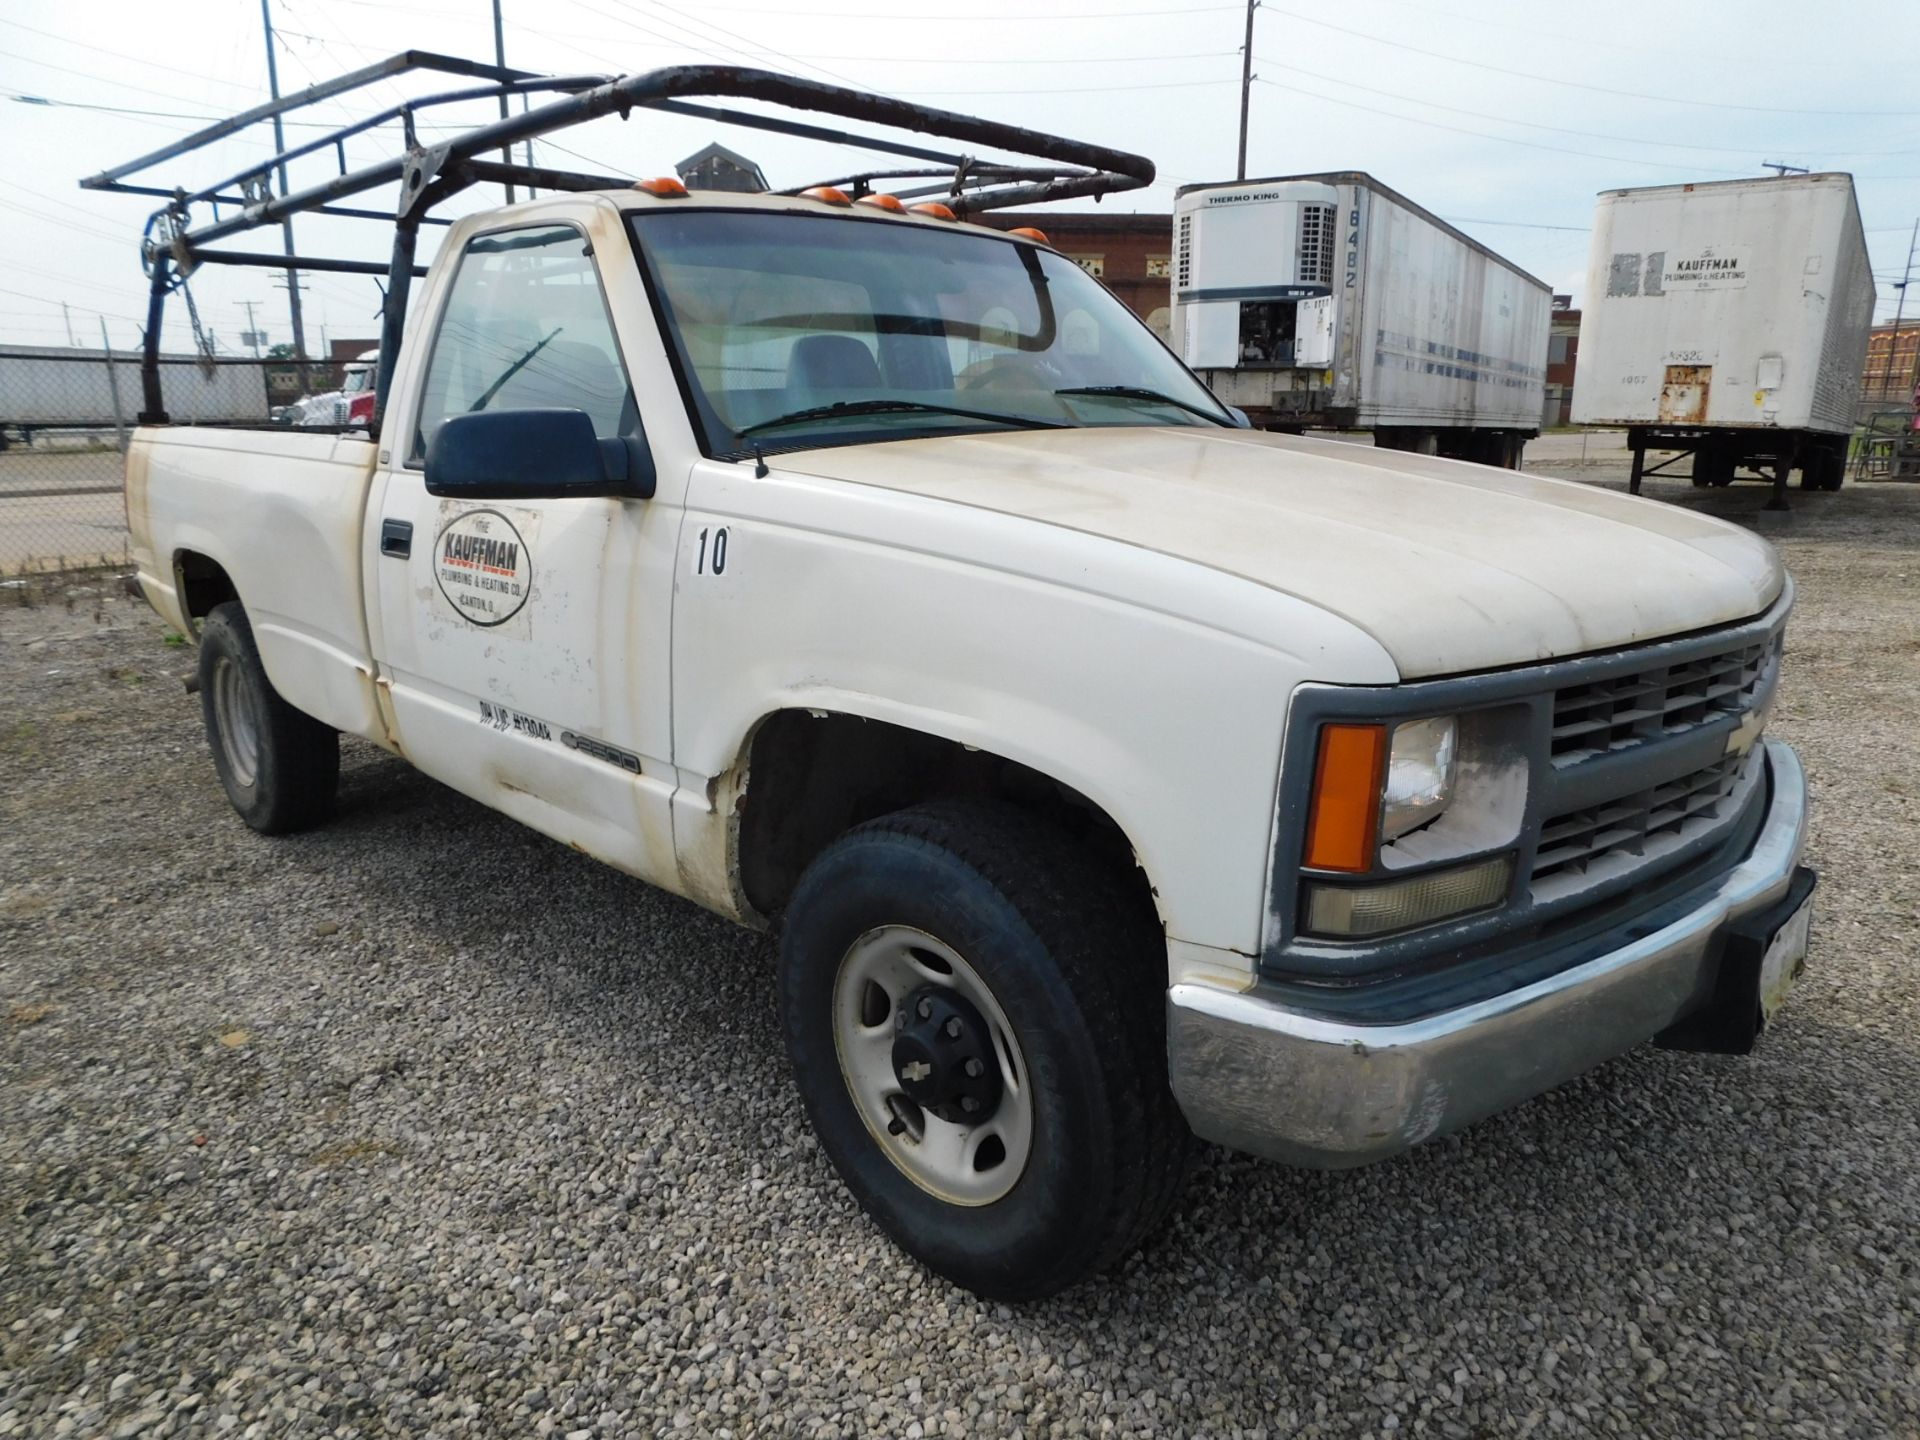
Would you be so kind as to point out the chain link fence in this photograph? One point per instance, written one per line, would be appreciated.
(65, 415)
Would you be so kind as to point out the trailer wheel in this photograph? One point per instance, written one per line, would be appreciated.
(1713, 465)
(279, 767)
(977, 1027)
(1824, 468)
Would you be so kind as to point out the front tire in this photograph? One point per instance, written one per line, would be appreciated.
(975, 1014)
(279, 766)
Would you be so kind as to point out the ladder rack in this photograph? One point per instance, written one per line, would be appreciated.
(176, 243)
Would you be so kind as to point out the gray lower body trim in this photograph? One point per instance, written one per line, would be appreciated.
(1255, 1076)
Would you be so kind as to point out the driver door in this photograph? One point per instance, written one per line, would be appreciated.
(507, 630)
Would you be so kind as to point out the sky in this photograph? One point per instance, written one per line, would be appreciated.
(1502, 116)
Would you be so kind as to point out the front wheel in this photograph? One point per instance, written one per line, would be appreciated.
(975, 1015)
(279, 766)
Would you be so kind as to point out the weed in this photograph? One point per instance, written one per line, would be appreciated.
(349, 1150)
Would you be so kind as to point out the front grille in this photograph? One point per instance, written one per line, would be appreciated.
(1635, 829)
(1616, 780)
(1614, 714)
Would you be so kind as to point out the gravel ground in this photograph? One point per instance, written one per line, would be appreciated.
(423, 1125)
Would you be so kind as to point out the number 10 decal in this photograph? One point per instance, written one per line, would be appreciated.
(712, 559)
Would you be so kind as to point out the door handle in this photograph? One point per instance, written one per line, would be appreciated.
(396, 538)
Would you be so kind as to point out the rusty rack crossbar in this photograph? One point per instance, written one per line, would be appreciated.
(427, 174)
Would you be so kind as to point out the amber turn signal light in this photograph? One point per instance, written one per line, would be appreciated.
(663, 186)
(1027, 232)
(826, 195)
(1343, 822)
(889, 203)
(934, 210)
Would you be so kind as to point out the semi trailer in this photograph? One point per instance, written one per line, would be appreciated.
(1727, 321)
(1333, 302)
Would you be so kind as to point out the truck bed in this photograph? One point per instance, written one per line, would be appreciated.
(280, 515)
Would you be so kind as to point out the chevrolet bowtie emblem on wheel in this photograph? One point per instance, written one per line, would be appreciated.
(915, 1070)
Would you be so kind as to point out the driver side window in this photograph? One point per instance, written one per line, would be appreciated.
(526, 327)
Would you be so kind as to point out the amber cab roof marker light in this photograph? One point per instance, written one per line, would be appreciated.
(664, 187)
(1027, 232)
(826, 195)
(1343, 822)
(933, 209)
(892, 204)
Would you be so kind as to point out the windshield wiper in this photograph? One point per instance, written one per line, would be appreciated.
(881, 407)
(1141, 392)
(486, 395)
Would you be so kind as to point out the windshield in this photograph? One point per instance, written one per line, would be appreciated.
(795, 330)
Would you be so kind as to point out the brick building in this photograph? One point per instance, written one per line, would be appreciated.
(1132, 254)
(1563, 352)
(1888, 374)
(339, 352)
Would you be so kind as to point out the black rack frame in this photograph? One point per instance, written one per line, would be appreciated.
(173, 246)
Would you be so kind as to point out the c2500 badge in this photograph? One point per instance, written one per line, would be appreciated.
(482, 566)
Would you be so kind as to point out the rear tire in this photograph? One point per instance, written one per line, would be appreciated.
(1067, 984)
(279, 767)
(1713, 465)
(1824, 468)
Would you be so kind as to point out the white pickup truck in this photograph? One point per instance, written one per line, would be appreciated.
(1112, 774)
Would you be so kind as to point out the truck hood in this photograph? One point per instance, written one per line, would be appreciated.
(1452, 567)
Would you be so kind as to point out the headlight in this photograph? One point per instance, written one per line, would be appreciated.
(1419, 775)
(1369, 787)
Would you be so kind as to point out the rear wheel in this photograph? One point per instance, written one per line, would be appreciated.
(1824, 468)
(279, 767)
(1713, 465)
(975, 1015)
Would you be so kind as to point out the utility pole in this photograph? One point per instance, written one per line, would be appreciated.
(1246, 88)
(500, 59)
(113, 387)
(72, 344)
(1899, 313)
(286, 226)
(525, 105)
(1779, 169)
(252, 336)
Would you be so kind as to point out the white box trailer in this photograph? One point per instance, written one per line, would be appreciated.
(56, 388)
(1333, 302)
(1728, 321)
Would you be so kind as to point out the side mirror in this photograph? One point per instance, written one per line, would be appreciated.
(534, 455)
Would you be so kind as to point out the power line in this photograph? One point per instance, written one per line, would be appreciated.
(135, 59)
(1483, 135)
(1086, 89)
(1716, 53)
(1579, 85)
(974, 17)
(1536, 124)
(86, 75)
(1516, 224)
(1028, 59)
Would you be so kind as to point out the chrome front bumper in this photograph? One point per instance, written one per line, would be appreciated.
(1256, 1076)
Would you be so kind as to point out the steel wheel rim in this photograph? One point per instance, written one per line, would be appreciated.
(971, 1165)
(239, 724)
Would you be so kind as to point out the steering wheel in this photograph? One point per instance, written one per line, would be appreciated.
(1004, 372)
